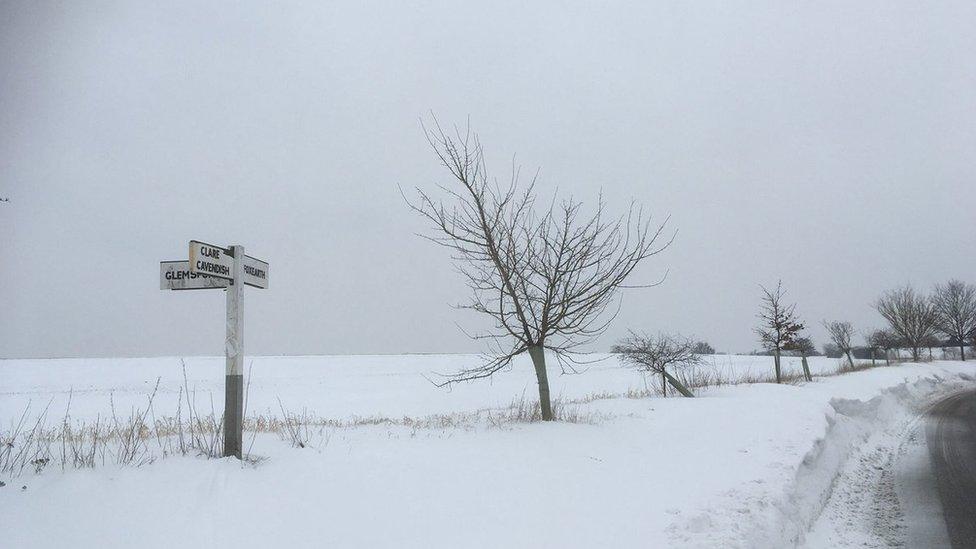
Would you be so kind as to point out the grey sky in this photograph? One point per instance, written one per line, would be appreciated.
(830, 144)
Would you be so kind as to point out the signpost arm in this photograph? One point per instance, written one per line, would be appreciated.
(234, 347)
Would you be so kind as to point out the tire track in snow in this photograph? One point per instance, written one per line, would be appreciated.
(884, 495)
(863, 509)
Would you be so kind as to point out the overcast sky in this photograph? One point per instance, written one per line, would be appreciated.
(830, 144)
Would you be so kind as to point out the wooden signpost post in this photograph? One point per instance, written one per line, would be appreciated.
(209, 267)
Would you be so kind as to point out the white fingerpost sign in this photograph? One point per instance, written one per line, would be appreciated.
(176, 275)
(209, 267)
(210, 260)
(255, 272)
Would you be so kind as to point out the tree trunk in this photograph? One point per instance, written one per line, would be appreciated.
(887, 357)
(806, 368)
(664, 383)
(872, 358)
(538, 355)
(779, 377)
(678, 385)
(849, 359)
(962, 352)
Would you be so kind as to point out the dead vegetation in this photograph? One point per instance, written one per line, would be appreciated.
(141, 438)
(34, 444)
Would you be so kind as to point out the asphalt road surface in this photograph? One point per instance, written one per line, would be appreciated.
(951, 437)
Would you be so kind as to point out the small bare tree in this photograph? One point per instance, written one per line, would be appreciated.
(930, 342)
(955, 307)
(655, 354)
(804, 346)
(885, 340)
(778, 326)
(911, 316)
(544, 276)
(840, 334)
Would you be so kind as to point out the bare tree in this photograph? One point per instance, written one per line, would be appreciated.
(656, 354)
(804, 347)
(544, 276)
(840, 334)
(955, 307)
(911, 316)
(885, 340)
(930, 342)
(778, 326)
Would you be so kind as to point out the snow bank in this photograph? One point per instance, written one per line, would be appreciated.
(781, 515)
(746, 466)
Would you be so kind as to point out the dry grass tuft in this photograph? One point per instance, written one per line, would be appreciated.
(141, 438)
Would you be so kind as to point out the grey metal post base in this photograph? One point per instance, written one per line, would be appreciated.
(233, 415)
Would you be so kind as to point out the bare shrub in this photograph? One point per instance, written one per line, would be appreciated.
(849, 367)
(123, 441)
(655, 354)
(131, 434)
(204, 434)
(521, 410)
(295, 428)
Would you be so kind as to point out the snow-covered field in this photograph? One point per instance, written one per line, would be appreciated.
(329, 386)
(744, 466)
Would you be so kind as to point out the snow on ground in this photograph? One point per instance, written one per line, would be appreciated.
(746, 466)
(885, 494)
(329, 386)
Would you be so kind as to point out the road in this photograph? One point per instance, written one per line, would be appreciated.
(951, 437)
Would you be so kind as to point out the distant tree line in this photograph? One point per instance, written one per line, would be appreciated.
(944, 318)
